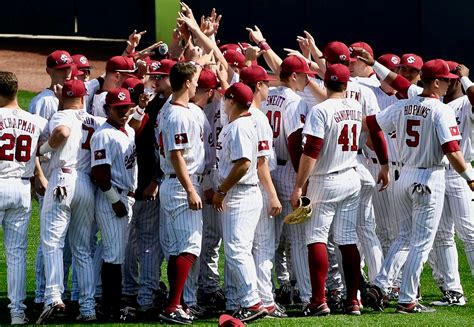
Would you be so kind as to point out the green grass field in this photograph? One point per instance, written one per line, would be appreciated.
(454, 316)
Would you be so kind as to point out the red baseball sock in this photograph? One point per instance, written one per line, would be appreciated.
(177, 274)
(351, 267)
(318, 270)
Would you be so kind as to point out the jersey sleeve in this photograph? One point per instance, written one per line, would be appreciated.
(446, 127)
(44, 107)
(264, 135)
(370, 105)
(241, 144)
(102, 149)
(414, 90)
(176, 135)
(60, 119)
(294, 116)
(315, 123)
(386, 120)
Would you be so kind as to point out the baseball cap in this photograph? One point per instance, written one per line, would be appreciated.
(162, 67)
(120, 64)
(453, 65)
(74, 88)
(389, 60)
(436, 68)
(133, 85)
(336, 52)
(118, 97)
(337, 73)
(207, 79)
(360, 44)
(240, 93)
(295, 64)
(235, 58)
(59, 59)
(229, 321)
(253, 74)
(411, 60)
(76, 72)
(81, 62)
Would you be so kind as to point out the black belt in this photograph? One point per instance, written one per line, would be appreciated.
(25, 178)
(130, 193)
(374, 160)
(174, 176)
(281, 162)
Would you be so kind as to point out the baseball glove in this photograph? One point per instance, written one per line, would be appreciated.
(300, 214)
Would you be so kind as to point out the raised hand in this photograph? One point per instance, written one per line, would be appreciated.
(255, 35)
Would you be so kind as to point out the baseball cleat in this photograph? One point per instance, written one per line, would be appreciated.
(334, 300)
(276, 311)
(313, 310)
(374, 298)
(414, 307)
(450, 298)
(86, 318)
(49, 309)
(248, 314)
(352, 309)
(19, 319)
(176, 317)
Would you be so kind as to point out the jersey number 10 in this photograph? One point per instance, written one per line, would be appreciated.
(21, 146)
(275, 124)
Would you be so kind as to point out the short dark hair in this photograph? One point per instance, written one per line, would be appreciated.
(8, 85)
(425, 82)
(285, 76)
(180, 73)
(335, 86)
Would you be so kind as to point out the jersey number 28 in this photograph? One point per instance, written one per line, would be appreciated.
(18, 149)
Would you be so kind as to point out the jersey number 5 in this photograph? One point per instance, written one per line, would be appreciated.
(344, 138)
(415, 136)
(22, 146)
(275, 122)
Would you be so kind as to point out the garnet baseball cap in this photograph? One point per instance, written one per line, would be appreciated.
(74, 88)
(240, 93)
(253, 74)
(118, 97)
(162, 67)
(207, 79)
(120, 64)
(230, 46)
(436, 68)
(229, 321)
(337, 73)
(133, 85)
(360, 44)
(295, 64)
(59, 59)
(76, 72)
(235, 58)
(453, 66)
(81, 62)
(411, 60)
(389, 60)
(336, 52)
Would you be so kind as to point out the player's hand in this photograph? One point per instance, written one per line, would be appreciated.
(383, 177)
(194, 200)
(364, 56)
(189, 21)
(255, 35)
(186, 10)
(218, 201)
(471, 185)
(274, 206)
(295, 196)
(119, 209)
(142, 69)
(304, 45)
(151, 191)
(144, 99)
(222, 73)
(210, 25)
(209, 195)
(134, 40)
(462, 71)
(41, 183)
(292, 52)
(252, 53)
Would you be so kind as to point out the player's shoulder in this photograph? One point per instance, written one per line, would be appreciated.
(460, 103)
(45, 97)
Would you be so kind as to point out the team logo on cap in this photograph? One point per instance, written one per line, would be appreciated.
(83, 60)
(410, 59)
(70, 93)
(351, 50)
(64, 59)
(343, 57)
(155, 66)
(121, 96)
(394, 60)
(334, 78)
(131, 90)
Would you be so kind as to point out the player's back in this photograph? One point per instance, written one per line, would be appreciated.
(44, 104)
(19, 134)
(464, 112)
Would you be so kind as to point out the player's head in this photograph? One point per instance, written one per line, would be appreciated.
(336, 52)
(455, 83)
(135, 87)
(206, 87)
(73, 93)
(83, 65)
(119, 68)
(336, 77)
(118, 104)
(410, 67)
(235, 59)
(237, 99)
(294, 73)
(159, 72)
(391, 61)
(183, 78)
(257, 79)
(358, 67)
(435, 77)
(58, 66)
(8, 88)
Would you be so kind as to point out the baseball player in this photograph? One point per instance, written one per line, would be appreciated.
(92, 85)
(239, 199)
(334, 187)
(360, 71)
(410, 67)
(180, 135)
(419, 192)
(69, 202)
(19, 132)
(114, 171)
(457, 214)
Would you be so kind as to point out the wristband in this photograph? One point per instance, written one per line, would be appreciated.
(468, 175)
(466, 82)
(112, 195)
(263, 45)
(221, 192)
(138, 114)
(381, 70)
(45, 148)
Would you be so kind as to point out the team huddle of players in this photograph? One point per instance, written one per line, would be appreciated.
(169, 159)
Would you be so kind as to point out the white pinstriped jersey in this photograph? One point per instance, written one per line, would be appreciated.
(116, 147)
(338, 122)
(286, 113)
(371, 81)
(19, 135)
(464, 112)
(181, 128)
(98, 102)
(45, 104)
(213, 114)
(264, 133)
(308, 96)
(414, 90)
(238, 140)
(75, 153)
(422, 126)
(92, 87)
